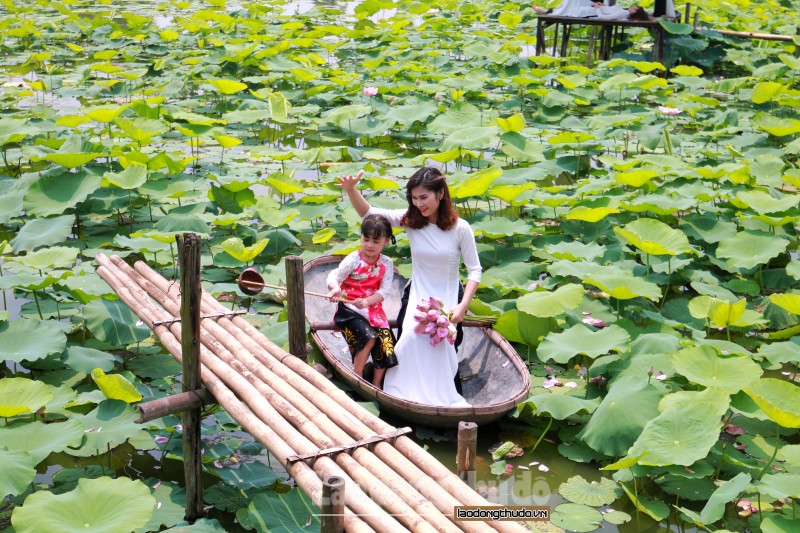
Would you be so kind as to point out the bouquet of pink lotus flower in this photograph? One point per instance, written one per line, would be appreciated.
(433, 320)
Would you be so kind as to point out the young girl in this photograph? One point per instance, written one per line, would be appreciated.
(364, 280)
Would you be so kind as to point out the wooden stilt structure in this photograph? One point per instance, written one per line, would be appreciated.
(391, 483)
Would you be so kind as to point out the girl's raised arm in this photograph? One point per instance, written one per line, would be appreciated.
(348, 184)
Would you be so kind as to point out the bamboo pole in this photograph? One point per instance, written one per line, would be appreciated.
(189, 260)
(296, 306)
(434, 479)
(301, 472)
(332, 506)
(215, 338)
(172, 404)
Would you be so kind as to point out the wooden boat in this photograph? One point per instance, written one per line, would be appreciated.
(494, 378)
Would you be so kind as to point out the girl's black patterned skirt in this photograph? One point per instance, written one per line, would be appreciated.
(358, 331)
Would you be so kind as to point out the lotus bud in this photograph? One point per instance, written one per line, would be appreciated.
(441, 332)
(423, 307)
(433, 315)
(442, 321)
(421, 317)
(430, 327)
(436, 303)
(420, 328)
(434, 340)
(452, 332)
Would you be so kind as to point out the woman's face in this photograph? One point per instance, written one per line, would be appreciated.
(427, 202)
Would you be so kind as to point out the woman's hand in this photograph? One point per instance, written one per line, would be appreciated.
(348, 183)
(361, 303)
(457, 314)
(334, 295)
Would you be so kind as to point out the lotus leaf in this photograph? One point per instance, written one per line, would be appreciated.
(115, 386)
(131, 178)
(708, 228)
(654, 237)
(614, 427)
(779, 399)
(704, 366)
(521, 327)
(22, 396)
(780, 486)
(576, 517)
(113, 323)
(18, 471)
(655, 509)
(778, 523)
(714, 509)
(85, 359)
(170, 507)
(323, 235)
(549, 304)
(579, 339)
(42, 232)
(52, 195)
(695, 489)
(285, 512)
(617, 518)
(30, 339)
(624, 287)
(110, 424)
(236, 249)
(779, 127)
(790, 302)
(509, 277)
(595, 493)
(763, 203)
(561, 406)
(40, 440)
(97, 505)
(782, 352)
(685, 431)
(748, 249)
(573, 251)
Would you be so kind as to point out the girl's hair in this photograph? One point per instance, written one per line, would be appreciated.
(432, 179)
(377, 227)
(638, 13)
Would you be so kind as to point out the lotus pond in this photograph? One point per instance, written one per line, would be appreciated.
(637, 225)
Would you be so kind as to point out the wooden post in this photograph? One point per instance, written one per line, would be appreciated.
(191, 294)
(172, 404)
(465, 454)
(332, 519)
(797, 46)
(686, 16)
(296, 306)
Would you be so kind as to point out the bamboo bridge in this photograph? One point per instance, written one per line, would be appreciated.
(320, 434)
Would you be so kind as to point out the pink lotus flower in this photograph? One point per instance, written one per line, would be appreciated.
(596, 322)
(442, 321)
(424, 307)
(551, 382)
(441, 332)
(433, 321)
(436, 303)
(421, 317)
(420, 328)
(370, 91)
(433, 315)
(670, 110)
(730, 429)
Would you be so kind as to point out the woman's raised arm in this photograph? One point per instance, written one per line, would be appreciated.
(348, 184)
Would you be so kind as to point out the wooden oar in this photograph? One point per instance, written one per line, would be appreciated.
(259, 285)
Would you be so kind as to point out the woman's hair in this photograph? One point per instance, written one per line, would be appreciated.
(377, 227)
(432, 179)
(638, 13)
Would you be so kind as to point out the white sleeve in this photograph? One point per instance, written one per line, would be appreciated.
(393, 215)
(340, 273)
(388, 277)
(469, 252)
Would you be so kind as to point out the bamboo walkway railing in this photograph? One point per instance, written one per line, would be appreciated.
(293, 410)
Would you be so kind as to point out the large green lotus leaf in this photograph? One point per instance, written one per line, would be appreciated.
(246, 116)
(170, 507)
(614, 426)
(576, 517)
(702, 365)
(654, 237)
(18, 471)
(779, 399)
(655, 509)
(52, 257)
(341, 115)
(550, 304)
(472, 138)
(43, 232)
(749, 249)
(714, 509)
(83, 359)
(624, 287)
(477, 184)
(684, 432)
(70, 160)
(39, 439)
(573, 251)
(780, 486)
(204, 525)
(96, 506)
(247, 476)
(235, 248)
(113, 323)
(579, 339)
(115, 386)
(561, 406)
(52, 195)
(30, 339)
(11, 205)
(21, 396)
(790, 302)
(131, 178)
(708, 227)
(695, 489)
(779, 523)
(86, 287)
(457, 117)
(509, 277)
(110, 424)
(14, 130)
(590, 214)
(526, 329)
(288, 512)
(409, 113)
(782, 352)
(763, 203)
(154, 366)
(777, 126)
(594, 493)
